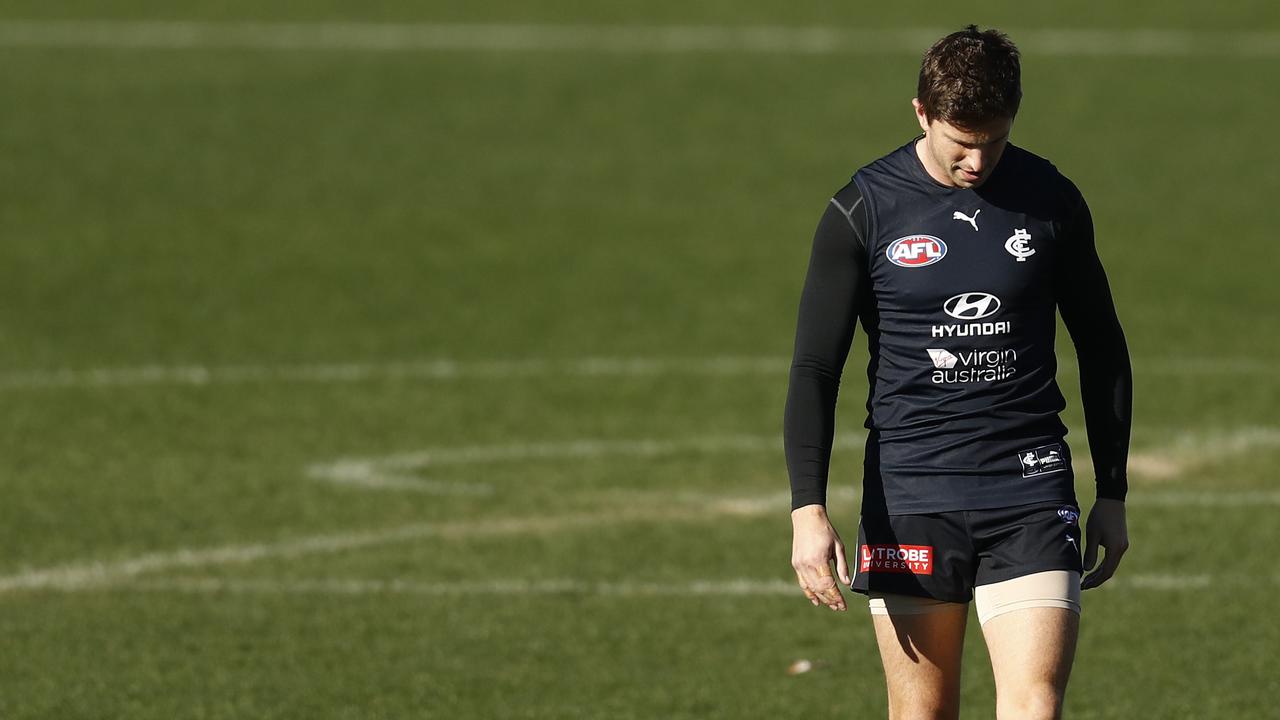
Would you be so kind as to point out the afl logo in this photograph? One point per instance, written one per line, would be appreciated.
(916, 251)
(972, 306)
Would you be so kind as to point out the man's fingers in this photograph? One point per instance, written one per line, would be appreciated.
(824, 585)
(1096, 578)
(842, 564)
(1110, 564)
(805, 587)
(819, 586)
(1090, 550)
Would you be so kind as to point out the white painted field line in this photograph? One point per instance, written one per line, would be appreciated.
(487, 588)
(685, 507)
(443, 370)
(393, 471)
(1189, 451)
(579, 587)
(403, 471)
(629, 39)
(438, 370)
(1204, 498)
(682, 506)
(82, 575)
(1196, 366)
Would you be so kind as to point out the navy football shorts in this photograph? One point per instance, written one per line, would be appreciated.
(945, 555)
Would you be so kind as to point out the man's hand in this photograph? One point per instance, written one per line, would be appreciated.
(814, 544)
(1106, 527)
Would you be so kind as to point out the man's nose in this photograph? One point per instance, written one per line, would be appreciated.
(977, 161)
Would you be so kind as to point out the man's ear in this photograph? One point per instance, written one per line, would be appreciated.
(921, 117)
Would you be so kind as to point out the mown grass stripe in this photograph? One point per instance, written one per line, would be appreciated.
(757, 39)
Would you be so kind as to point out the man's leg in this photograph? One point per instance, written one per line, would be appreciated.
(920, 645)
(1030, 626)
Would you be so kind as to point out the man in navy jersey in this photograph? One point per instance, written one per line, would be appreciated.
(955, 252)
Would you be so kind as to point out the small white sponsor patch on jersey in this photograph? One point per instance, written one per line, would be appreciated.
(1041, 460)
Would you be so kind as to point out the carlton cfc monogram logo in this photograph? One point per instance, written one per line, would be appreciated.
(1019, 245)
(916, 251)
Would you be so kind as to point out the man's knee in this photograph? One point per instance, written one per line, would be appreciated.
(1037, 702)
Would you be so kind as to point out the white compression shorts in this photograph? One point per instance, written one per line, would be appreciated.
(1053, 588)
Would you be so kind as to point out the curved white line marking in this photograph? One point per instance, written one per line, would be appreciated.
(1189, 451)
(394, 471)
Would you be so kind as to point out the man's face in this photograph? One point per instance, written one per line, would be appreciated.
(961, 156)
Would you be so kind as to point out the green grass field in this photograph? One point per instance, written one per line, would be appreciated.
(344, 382)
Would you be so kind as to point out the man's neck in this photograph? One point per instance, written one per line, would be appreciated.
(927, 161)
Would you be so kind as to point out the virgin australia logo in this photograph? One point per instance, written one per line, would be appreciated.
(972, 366)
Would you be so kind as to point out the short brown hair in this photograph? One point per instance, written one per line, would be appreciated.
(971, 77)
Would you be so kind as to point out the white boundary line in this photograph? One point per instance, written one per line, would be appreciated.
(444, 370)
(486, 588)
(691, 508)
(1189, 451)
(677, 507)
(391, 471)
(630, 588)
(759, 39)
(79, 576)
(400, 471)
(83, 575)
(437, 370)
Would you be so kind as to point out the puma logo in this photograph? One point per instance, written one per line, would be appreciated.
(957, 215)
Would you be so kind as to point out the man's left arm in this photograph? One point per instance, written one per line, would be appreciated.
(1106, 388)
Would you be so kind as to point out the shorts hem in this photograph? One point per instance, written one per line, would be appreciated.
(893, 604)
(919, 593)
(1022, 571)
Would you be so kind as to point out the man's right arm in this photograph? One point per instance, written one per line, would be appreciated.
(833, 291)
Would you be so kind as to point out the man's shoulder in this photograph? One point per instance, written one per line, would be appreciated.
(1031, 167)
(848, 197)
(894, 162)
(1039, 181)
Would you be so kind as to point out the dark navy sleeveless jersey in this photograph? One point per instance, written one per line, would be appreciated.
(961, 333)
(957, 289)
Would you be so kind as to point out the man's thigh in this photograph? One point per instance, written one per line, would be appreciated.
(920, 644)
(1028, 601)
(1031, 653)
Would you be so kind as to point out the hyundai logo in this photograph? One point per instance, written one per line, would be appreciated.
(972, 305)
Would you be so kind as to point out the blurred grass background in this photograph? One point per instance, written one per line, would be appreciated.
(278, 210)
